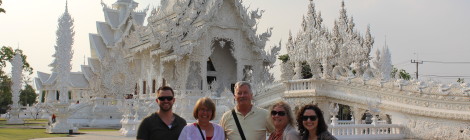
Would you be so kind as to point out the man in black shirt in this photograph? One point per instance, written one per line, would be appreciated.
(163, 124)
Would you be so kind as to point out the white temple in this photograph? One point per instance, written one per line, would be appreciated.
(202, 47)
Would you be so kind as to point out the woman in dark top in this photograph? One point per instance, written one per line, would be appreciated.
(312, 125)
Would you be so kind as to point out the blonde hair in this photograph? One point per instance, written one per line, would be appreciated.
(286, 107)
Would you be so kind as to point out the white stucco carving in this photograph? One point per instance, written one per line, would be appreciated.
(354, 83)
(16, 79)
(202, 47)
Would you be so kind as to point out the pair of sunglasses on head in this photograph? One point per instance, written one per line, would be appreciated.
(163, 98)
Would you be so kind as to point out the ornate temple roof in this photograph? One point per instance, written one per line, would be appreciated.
(116, 20)
(43, 76)
(38, 83)
(177, 26)
(87, 72)
(78, 80)
(97, 46)
(94, 65)
(105, 31)
(51, 79)
(116, 25)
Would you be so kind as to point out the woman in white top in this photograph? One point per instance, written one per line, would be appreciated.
(203, 129)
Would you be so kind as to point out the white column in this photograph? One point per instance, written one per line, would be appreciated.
(239, 71)
(324, 106)
(41, 96)
(333, 110)
(203, 65)
(357, 114)
(51, 96)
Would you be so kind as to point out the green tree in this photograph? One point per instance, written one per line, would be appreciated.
(1, 9)
(5, 92)
(6, 55)
(27, 95)
(403, 74)
(461, 80)
(284, 58)
(306, 71)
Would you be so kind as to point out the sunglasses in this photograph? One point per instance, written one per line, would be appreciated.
(279, 113)
(312, 118)
(163, 98)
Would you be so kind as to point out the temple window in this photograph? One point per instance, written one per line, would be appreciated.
(153, 85)
(210, 66)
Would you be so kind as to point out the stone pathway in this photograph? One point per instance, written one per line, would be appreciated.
(94, 135)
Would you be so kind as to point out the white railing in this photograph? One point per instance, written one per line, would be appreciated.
(345, 122)
(302, 84)
(378, 122)
(269, 94)
(367, 131)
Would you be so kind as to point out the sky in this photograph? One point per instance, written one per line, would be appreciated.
(426, 30)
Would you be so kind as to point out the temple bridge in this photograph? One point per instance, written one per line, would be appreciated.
(404, 110)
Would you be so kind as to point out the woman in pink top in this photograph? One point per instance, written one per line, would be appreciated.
(203, 129)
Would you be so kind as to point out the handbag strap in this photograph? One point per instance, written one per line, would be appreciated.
(238, 124)
(200, 131)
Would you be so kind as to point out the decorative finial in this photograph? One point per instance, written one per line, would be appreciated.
(66, 6)
(385, 40)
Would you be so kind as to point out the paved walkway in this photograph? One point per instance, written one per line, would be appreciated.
(94, 135)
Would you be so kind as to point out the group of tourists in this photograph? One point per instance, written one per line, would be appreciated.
(243, 122)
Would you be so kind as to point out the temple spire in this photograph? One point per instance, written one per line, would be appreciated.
(66, 6)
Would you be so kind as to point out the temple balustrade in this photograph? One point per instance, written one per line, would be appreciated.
(104, 102)
(412, 99)
(402, 109)
(351, 122)
(345, 122)
(299, 85)
(367, 131)
(264, 97)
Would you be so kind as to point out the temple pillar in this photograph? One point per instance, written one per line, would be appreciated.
(41, 95)
(203, 65)
(324, 106)
(333, 110)
(240, 71)
(51, 96)
(357, 114)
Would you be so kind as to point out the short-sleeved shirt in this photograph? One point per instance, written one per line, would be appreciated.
(255, 124)
(153, 127)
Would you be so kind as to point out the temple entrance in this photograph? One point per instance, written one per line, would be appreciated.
(221, 66)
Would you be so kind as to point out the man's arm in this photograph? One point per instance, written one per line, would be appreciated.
(222, 123)
(142, 132)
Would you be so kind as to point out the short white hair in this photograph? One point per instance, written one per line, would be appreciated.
(243, 83)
